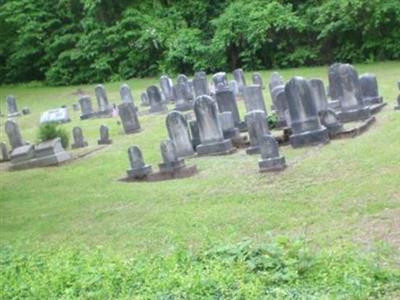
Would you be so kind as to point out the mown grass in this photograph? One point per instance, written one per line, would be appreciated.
(342, 195)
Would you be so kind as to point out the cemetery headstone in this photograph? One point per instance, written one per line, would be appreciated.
(104, 136)
(369, 89)
(138, 169)
(12, 107)
(239, 78)
(184, 94)
(171, 161)
(234, 87)
(275, 81)
(126, 94)
(179, 133)
(129, 117)
(200, 84)
(79, 141)
(155, 100)
(220, 81)
(167, 88)
(14, 134)
(211, 135)
(227, 103)
(86, 108)
(144, 99)
(257, 127)
(305, 124)
(257, 79)
(102, 100)
(58, 115)
(270, 158)
(253, 98)
(228, 126)
(281, 107)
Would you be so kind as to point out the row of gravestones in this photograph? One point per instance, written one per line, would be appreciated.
(304, 105)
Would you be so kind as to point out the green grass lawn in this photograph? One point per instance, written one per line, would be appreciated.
(344, 194)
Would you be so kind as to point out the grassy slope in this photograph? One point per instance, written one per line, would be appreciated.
(333, 195)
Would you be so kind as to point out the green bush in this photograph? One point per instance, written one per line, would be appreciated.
(277, 270)
(272, 120)
(51, 131)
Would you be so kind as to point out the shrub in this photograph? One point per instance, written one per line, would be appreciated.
(272, 120)
(51, 131)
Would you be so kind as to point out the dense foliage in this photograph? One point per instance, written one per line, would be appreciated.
(279, 270)
(80, 41)
(50, 131)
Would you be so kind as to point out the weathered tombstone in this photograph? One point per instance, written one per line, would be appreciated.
(239, 78)
(171, 161)
(334, 89)
(220, 81)
(4, 152)
(211, 135)
(257, 127)
(305, 124)
(184, 94)
(270, 159)
(194, 131)
(79, 141)
(86, 108)
(166, 88)
(48, 153)
(102, 100)
(351, 103)
(12, 107)
(369, 89)
(327, 116)
(126, 94)
(75, 107)
(257, 79)
(178, 132)
(228, 126)
(234, 87)
(144, 99)
(227, 103)
(398, 97)
(58, 115)
(129, 117)
(276, 80)
(104, 136)
(253, 98)
(26, 111)
(14, 134)
(155, 100)
(138, 169)
(200, 84)
(281, 107)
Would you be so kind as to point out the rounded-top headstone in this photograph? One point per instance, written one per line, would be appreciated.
(126, 94)
(168, 151)
(135, 157)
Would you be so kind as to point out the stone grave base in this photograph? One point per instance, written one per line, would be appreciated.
(159, 176)
(38, 162)
(272, 164)
(375, 108)
(217, 148)
(172, 167)
(309, 138)
(373, 100)
(353, 132)
(13, 115)
(101, 142)
(132, 130)
(354, 115)
(139, 173)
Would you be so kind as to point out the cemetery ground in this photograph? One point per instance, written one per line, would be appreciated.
(331, 220)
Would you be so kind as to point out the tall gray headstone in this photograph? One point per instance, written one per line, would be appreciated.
(239, 78)
(234, 87)
(253, 98)
(14, 134)
(334, 89)
(155, 100)
(211, 135)
(86, 108)
(270, 159)
(275, 81)
(171, 160)
(144, 99)
(129, 117)
(12, 106)
(79, 141)
(305, 124)
(138, 168)
(166, 85)
(257, 127)
(227, 103)
(179, 133)
(184, 94)
(369, 89)
(126, 94)
(200, 84)
(281, 107)
(257, 79)
(102, 99)
(104, 136)
(228, 126)
(351, 104)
